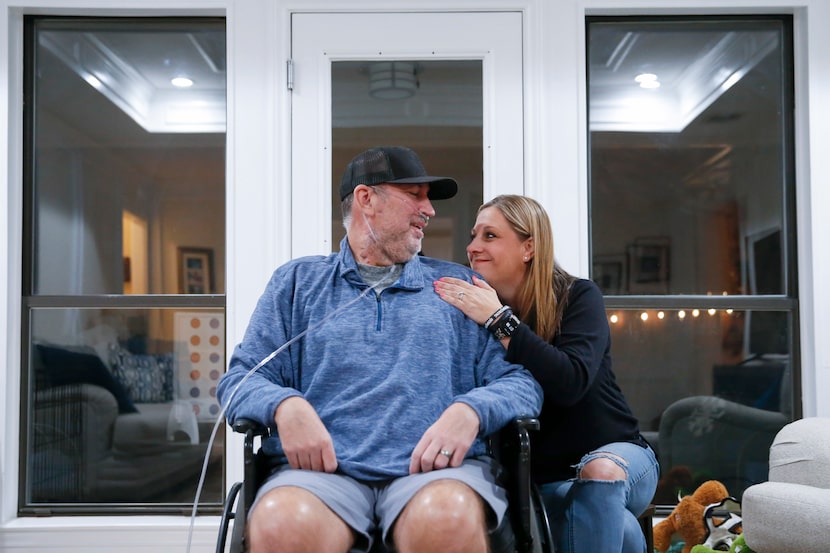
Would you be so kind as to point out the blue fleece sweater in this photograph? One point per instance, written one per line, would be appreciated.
(380, 372)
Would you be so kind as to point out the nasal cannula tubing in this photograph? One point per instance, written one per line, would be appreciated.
(221, 415)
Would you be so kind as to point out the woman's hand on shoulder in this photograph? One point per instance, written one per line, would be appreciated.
(478, 300)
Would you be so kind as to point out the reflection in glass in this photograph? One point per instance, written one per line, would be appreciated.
(123, 403)
(709, 389)
(433, 107)
(128, 167)
(688, 155)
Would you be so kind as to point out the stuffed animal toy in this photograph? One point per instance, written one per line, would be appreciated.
(738, 546)
(687, 518)
(723, 524)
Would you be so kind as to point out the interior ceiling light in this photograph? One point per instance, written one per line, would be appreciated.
(181, 82)
(647, 80)
(93, 82)
(392, 80)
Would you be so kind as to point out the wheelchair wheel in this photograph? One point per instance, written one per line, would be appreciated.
(233, 500)
(540, 525)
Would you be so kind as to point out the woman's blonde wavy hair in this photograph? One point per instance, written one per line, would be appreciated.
(543, 294)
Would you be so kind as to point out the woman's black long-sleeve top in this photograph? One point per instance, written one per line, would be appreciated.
(584, 407)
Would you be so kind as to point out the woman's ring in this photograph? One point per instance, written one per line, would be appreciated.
(461, 295)
(444, 451)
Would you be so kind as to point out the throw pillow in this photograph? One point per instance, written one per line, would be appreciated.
(148, 378)
(62, 367)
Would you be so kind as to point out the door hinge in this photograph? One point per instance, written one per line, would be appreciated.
(289, 74)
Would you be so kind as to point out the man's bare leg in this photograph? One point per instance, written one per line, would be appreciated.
(292, 520)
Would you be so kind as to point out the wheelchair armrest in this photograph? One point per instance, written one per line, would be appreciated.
(243, 426)
(530, 423)
(519, 430)
(513, 440)
(252, 468)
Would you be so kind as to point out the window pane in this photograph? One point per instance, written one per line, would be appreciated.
(124, 218)
(688, 157)
(705, 402)
(123, 404)
(692, 234)
(128, 167)
(433, 107)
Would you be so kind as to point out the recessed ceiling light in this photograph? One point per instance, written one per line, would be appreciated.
(181, 82)
(93, 81)
(647, 80)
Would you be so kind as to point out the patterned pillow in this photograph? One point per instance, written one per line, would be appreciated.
(147, 378)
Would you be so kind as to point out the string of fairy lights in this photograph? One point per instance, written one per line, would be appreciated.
(681, 314)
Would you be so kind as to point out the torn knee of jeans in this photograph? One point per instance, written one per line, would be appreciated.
(616, 459)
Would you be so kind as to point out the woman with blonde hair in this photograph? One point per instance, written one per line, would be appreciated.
(597, 474)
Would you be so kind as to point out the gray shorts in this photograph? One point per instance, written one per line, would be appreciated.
(369, 506)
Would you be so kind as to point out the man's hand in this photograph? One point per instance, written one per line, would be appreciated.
(446, 442)
(304, 437)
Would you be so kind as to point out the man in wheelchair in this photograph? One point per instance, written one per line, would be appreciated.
(379, 412)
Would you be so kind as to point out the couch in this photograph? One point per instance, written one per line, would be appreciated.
(726, 435)
(791, 511)
(113, 433)
(706, 437)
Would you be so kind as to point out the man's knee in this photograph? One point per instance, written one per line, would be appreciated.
(293, 519)
(449, 509)
(286, 508)
(447, 499)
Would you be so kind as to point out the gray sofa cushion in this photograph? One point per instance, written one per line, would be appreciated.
(790, 512)
(800, 453)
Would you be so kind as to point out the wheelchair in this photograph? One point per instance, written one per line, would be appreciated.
(526, 528)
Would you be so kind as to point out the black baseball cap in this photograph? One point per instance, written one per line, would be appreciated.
(393, 165)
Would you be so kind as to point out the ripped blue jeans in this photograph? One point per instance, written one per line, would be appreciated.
(589, 516)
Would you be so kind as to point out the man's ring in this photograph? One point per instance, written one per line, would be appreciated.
(461, 295)
(445, 452)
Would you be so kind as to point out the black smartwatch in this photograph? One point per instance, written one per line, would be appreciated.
(506, 327)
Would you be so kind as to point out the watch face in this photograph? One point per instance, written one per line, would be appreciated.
(506, 329)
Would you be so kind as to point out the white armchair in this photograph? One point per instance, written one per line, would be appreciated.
(791, 511)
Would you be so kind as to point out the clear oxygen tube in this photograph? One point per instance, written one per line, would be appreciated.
(220, 417)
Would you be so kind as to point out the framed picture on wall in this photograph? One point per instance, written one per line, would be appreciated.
(195, 270)
(648, 265)
(609, 272)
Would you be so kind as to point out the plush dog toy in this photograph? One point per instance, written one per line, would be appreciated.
(687, 518)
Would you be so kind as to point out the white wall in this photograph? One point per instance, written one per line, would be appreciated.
(258, 201)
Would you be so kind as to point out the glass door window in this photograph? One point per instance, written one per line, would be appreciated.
(435, 107)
